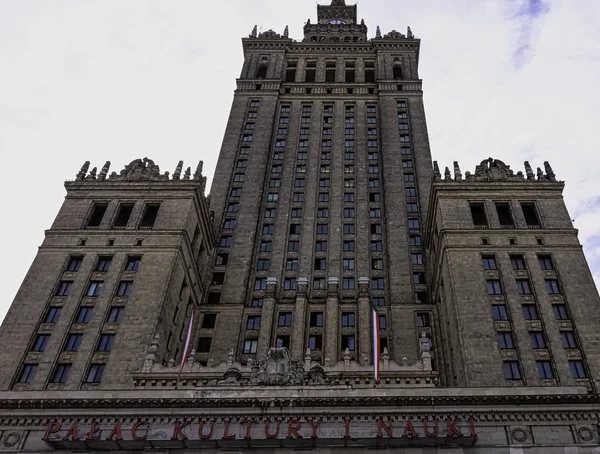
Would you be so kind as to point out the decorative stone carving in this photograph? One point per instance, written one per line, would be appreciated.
(519, 435)
(269, 34)
(278, 369)
(378, 32)
(231, 377)
(409, 33)
(394, 35)
(495, 170)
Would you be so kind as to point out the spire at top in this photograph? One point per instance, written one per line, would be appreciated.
(338, 2)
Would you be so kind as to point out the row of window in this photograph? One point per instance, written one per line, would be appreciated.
(504, 213)
(537, 340)
(518, 262)
(84, 314)
(500, 313)
(73, 342)
(60, 373)
(124, 288)
(494, 287)
(512, 370)
(103, 264)
(121, 220)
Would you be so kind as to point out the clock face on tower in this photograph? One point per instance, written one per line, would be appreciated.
(336, 22)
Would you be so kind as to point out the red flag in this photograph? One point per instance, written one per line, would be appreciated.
(187, 343)
(376, 346)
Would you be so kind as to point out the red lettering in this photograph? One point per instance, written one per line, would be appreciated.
(453, 430)
(472, 426)
(248, 429)
(293, 427)
(116, 431)
(268, 434)
(178, 430)
(201, 433)
(409, 430)
(51, 429)
(134, 430)
(226, 435)
(314, 426)
(426, 428)
(95, 432)
(72, 433)
(347, 433)
(382, 425)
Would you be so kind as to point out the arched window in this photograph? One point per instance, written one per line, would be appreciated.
(313, 39)
(397, 72)
(262, 72)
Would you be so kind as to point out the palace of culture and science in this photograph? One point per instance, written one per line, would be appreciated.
(336, 292)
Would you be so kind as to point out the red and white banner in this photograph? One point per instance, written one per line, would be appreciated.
(376, 346)
(187, 343)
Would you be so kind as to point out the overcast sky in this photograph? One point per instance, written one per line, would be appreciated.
(117, 80)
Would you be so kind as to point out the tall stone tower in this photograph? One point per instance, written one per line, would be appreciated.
(335, 293)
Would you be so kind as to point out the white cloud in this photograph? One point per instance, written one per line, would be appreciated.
(112, 80)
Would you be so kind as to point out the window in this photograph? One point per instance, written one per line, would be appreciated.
(326, 155)
(348, 319)
(226, 241)
(319, 283)
(270, 212)
(371, 120)
(403, 126)
(374, 183)
(415, 240)
(378, 301)
(239, 177)
(133, 263)
(27, 373)
(412, 207)
(499, 312)
(349, 246)
(413, 224)
(323, 197)
(376, 264)
(545, 369)
(523, 287)
(282, 342)
(315, 342)
(405, 150)
(376, 229)
(253, 322)
(478, 214)
(409, 178)
(299, 182)
(348, 342)
(530, 214)
(504, 215)
(281, 142)
(73, 342)
(537, 339)
(552, 287)
(349, 229)
(304, 131)
(289, 283)
(98, 211)
(256, 302)
(568, 339)
(323, 212)
(348, 283)
(296, 212)
(74, 264)
(377, 283)
(52, 315)
(349, 183)
(530, 312)
(349, 169)
(373, 156)
(316, 319)
(298, 197)
(518, 262)
(404, 138)
(321, 246)
(349, 264)
(494, 287)
(349, 155)
(284, 120)
(419, 278)
(266, 246)
(373, 169)
(348, 212)
(577, 369)
(263, 264)
(105, 343)
(61, 373)
(285, 319)
(376, 246)
(546, 262)
(260, 284)
(115, 314)
(511, 370)
(371, 143)
(285, 109)
(291, 264)
(302, 169)
(560, 312)
(40, 343)
(505, 341)
(295, 229)
(489, 262)
(125, 288)
(407, 164)
(229, 224)
(320, 264)
(293, 246)
(123, 215)
(84, 314)
(94, 374)
(64, 288)
(247, 138)
(272, 197)
(250, 346)
(149, 216)
(410, 192)
(322, 229)
(417, 259)
(261, 73)
(94, 288)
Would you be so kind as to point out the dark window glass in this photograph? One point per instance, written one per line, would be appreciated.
(518, 262)
(376, 229)
(94, 288)
(494, 287)
(73, 342)
(115, 314)
(293, 246)
(348, 319)
(133, 263)
(478, 214)
(348, 342)
(349, 246)
(378, 301)
(41, 341)
(64, 288)
(320, 264)
(376, 264)
(84, 314)
(560, 312)
(530, 214)
(321, 246)
(348, 283)
(250, 346)
(315, 342)
(505, 340)
(295, 229)
(257, 302)
(546, 262)
(322, 229)
(316, 319)
(222, 259)
(419, 278)
(530, 312)
(349, 264)
(123, 215)
(61, 373)
(577, 369)
(504, 214)
(413, 223)
(415, 240)
(283, 342)
(285, 319)
(253, 322)
(489, 262)
(511, 370)
(523, 286)
(226, 241)
(209, 321)
(125, 288)
(27, 373)
(376, 246)
(150, 214)
(537, 339)
(552, 287)
(94, 374)
(289, 283)
(52, 315)
(260, 284)
(417, 259)
(568, 339)
(291, 264)
(105, 343)
(499, 312)
(204, 344)
(266, 246)
(545, 369)
(74, 264)
(263, 264)
(98, 211)
(377, 283)
(348, 229)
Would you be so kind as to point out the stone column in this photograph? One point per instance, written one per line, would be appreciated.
(359, 70)
(320, 74)
(365, 323)
(301, 70)
(266, 319)
(331, 349)
(340, 70)
(299, 326)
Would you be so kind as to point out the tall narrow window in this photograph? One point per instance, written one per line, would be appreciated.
(61, 373)
(74, 264)
(27, 373)
(97, 214)
(123, 215)
(530, 214)
(261, 73)
(150, 214)
(504, 214)
(478, 215)
(397, 72)
(95, 373)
